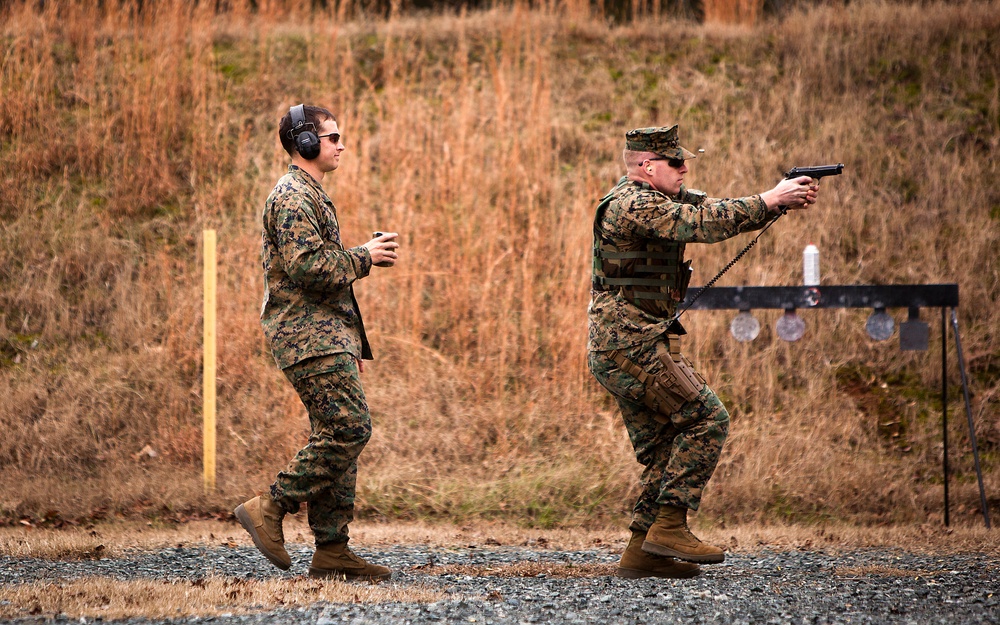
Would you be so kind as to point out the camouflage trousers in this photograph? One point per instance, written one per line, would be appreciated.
(679, 448)
(324, 473)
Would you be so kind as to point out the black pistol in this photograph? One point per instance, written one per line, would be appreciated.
(817, 172)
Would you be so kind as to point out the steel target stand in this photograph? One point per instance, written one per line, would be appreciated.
(913, 334)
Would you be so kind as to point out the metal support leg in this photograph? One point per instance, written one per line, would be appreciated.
(944, 406)
(968, 412)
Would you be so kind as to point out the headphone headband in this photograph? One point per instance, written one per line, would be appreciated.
(298, 115)
(303, 133)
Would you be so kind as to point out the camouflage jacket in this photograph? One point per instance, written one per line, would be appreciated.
(640, 212)
(309, 306)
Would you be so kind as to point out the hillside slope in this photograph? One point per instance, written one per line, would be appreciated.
(485, 139)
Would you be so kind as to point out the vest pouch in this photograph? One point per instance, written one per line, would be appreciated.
(653, 276)
(683, 280)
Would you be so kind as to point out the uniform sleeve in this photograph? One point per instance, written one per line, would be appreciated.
(657, 216)
(308, 260)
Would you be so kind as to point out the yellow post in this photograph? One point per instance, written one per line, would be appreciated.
(208, 377)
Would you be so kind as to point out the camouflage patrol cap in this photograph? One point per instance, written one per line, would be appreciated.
(662, 141)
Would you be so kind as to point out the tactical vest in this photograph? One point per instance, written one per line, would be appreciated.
(649, 273)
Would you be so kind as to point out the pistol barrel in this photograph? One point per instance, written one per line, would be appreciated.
(817, 172)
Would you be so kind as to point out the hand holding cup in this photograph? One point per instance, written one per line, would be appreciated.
(383, 248)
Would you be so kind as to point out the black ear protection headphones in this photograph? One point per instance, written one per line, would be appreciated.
(303, 133)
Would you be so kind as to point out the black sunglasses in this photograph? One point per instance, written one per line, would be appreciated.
(676, 163)
(334, 137)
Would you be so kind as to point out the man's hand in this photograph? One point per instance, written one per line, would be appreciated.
(382, 248)
(795, 194)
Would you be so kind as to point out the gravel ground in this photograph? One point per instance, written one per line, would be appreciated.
(875, 586)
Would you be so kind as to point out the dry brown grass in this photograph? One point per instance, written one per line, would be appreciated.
(98, 597)
(110, 540)
(485, 139)
(839, 537)
(745, 12)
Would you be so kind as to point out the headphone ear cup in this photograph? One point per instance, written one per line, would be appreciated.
(307, 143)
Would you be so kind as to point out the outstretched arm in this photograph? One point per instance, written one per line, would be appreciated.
(795, 194)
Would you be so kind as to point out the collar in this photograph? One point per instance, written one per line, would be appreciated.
(306, 177)
(642, 184)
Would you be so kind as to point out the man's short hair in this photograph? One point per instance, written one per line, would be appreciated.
(315, 115)
(633, 159)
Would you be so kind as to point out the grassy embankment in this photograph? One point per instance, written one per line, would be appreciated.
(485, 140)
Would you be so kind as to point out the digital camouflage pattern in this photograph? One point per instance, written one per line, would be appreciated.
(324, 473)
(679, 453)
(637, 213)
(662, 141)
(309, 307)
(650, 273)
(312, 320)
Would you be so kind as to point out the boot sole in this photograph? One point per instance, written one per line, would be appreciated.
(640, 574)
(346, 576)
(244, 518)
(708, 558)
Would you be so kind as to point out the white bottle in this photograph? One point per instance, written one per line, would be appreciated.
(810, 266)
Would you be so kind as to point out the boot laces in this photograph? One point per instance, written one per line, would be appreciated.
(275, 520)
(687, 531)
(353, 556)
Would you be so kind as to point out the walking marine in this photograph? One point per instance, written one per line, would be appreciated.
(676, 423)
(312, 321)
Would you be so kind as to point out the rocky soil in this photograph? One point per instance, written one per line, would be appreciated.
(496, 584)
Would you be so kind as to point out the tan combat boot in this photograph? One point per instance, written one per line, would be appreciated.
(636, 563)
(336, 560)
(261, 517)
(670, 536)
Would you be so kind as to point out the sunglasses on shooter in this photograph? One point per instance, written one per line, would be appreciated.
(676, 163)
(334, 137)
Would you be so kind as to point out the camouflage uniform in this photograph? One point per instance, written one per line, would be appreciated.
(678, 431)
(314, 326)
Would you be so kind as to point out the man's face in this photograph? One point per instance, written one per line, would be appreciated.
(667, 175)
(330, 146)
